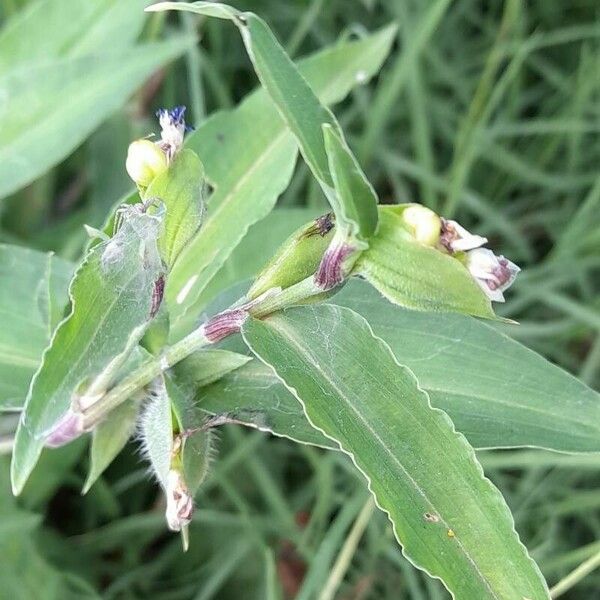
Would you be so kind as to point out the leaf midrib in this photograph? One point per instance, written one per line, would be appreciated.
(296, 342)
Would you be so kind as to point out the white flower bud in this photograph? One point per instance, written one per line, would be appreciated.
(424, 223)
(494, 274)
(180, 504)
(145, 160)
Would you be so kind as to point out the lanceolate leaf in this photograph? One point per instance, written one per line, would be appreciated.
(254, 395)
(498, 393)
(112, 300)
(196, 440)
(448, 517)
(355, 198)
(305, 115)
(157, 431)
(316, 129)
(32, 295)
(180, 188)
(110, 437)
(291, 93)
(417, 276)
(206, 366)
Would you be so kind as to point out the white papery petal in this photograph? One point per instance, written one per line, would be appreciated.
(493, 274)
(457, 239)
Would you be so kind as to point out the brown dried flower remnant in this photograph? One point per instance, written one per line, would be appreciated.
(180, 504)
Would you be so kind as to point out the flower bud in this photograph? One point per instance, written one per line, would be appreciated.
(337, 263)
(297, 258)
(67, 429)
(145, 160)
(180, 504)
(423, 223)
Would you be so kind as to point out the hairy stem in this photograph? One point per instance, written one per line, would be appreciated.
(143, 375)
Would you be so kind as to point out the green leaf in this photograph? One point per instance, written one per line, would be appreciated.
(157, 431)
(355, 198)
(49, 29)
(170, 412)
(449, 518)
(41, 123)
(254, 396)
(112, 299)
(196, 444)
(316, 129)
(32, 296)
(498, 392)
(304, 114)
(291, 93)
(253, 252)
(110, 437)
(180, 188)
(24, 570)
(417, 276)
(206, 366)
(249, 176)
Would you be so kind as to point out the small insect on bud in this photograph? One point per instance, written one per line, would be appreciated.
(297, 258)
(158, 291)
(180, 504)
(145, 160)
(423, 223)
(494, 274)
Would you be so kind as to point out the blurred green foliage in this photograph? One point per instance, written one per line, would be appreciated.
(487, 111)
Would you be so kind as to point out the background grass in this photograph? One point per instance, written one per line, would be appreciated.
(485, 111)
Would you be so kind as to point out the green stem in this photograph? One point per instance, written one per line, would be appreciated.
(295, 294)
(196, 340)
(575, 576)
(347, 552)
(143, 376)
